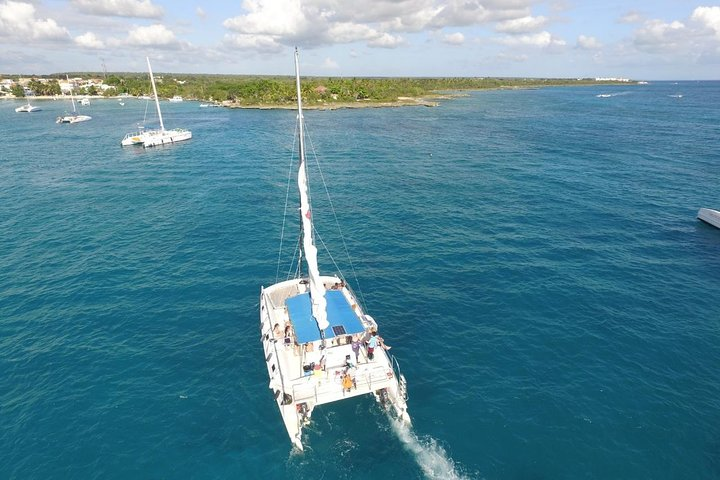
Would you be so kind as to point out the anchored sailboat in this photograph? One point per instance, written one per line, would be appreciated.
(74, 117)
(151, 138)
(319, 344)
(27, 108)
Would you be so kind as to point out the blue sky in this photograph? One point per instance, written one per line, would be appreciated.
(639, 39)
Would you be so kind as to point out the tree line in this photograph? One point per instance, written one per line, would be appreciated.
(280, 90)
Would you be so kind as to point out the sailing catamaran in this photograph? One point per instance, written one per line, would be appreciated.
(319, 344)
(27, 108)
(151, 138)
(73, 117)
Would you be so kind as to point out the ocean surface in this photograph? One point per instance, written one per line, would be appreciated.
(532, 256)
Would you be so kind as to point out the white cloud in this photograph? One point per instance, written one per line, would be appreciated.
(632, 17)
(708, 17)
(260, 43)
(513, 58)
(350, 32)
(540, 40)
(119, 8)
(151, 35)
(271, 17)
(454, 39)
(17, 20)
(521, 25)
(377, 23)
(697, 37)
(330, 64)
(588, 43)
(89, 40)
(386, 40)
(200, 13)
(657, 36)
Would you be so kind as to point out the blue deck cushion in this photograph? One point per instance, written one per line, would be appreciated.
(339, 314)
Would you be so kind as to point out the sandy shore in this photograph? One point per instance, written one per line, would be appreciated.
(400, 102)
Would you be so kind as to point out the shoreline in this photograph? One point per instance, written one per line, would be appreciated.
(427, 101)
(432, 100)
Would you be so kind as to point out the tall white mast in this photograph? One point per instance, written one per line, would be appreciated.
(317, 289)
(157, 102)
(72, 98)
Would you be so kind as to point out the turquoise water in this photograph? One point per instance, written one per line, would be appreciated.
(532, 256)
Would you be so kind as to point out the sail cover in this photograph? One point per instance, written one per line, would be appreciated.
(317, 289)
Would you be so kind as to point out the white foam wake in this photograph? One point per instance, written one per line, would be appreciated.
(431, 457)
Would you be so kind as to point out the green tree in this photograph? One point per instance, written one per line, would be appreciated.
(17, 90)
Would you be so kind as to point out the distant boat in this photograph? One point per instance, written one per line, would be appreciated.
(84, 101)
(176, 98)
(27, 108)
(74, 117)
(604, 95)
(709, 216)
(151, 138)
(314, 332)
(207, 105)
(677, 95)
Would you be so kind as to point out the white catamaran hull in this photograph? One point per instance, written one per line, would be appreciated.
(73, 119)
(27, 109)
(167, 136)
(709, 216)
(304, 375)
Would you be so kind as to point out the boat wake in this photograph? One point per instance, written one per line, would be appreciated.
(431, 457)
(608, 95)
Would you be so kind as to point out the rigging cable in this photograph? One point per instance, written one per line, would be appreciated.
(287, 196)
(337, 223)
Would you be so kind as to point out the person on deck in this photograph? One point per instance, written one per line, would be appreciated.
(356, 349)
(372, 345)
(347, 383)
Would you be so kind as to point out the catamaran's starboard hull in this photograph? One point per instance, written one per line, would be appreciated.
(73, 119)
(709, 216)
(167, 136)
(27, 109)
(303, 374)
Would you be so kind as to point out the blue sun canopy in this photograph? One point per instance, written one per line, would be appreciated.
(340, 315)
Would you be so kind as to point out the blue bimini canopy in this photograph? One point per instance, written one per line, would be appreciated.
(340, 315)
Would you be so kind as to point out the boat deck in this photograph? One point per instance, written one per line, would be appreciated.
(303, 373)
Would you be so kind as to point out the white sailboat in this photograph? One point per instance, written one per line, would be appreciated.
(151, 138)
(74, 117)
(27, 108)
(319, 344)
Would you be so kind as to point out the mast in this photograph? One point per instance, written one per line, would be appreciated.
(157, 102)
(72, 97)
(317, 289)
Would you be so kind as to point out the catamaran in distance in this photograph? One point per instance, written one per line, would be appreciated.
(151, 138)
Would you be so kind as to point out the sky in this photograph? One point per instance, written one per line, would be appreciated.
(637, 39)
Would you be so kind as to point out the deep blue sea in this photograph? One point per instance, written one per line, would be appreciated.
(532, 256)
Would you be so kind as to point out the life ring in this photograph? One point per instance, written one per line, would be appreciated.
(389, 374)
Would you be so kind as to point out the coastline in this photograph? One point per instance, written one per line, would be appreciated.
(427, 101)
(431, 100)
